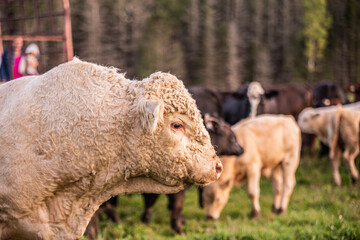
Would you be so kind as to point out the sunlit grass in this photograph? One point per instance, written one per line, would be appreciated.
(317, 210)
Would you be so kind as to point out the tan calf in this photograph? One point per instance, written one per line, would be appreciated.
(272, 148)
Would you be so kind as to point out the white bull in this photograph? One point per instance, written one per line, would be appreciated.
(81, 133)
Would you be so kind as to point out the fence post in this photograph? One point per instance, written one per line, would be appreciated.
(67, 31)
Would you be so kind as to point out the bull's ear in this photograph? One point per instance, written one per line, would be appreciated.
(151, 112)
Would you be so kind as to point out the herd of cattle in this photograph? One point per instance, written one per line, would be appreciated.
(81, 133)
(272, 124)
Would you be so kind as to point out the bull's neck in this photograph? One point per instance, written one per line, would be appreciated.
(71, 222)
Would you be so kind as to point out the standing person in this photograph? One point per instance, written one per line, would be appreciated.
(16, 55)
(29, 63)
(4, 66)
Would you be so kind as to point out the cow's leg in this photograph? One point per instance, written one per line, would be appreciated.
(93, 227)
(335, 163)
(308, 143)
(111, 213)
(253, 188)
(113, 201)
(149, 201)
(289, 181)
(349, 155)
(277, 182)
(201, 201)
(324, 150)
(177, 218)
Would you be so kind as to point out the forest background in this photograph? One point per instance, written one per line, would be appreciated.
(221, 43)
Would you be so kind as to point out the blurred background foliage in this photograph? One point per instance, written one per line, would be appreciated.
(222, 43)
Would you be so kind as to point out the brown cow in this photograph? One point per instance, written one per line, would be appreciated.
(272, 147)
(290, 99)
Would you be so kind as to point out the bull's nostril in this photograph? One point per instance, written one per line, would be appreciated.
(219, 168)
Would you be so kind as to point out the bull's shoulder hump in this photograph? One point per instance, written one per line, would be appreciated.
(15, 88)
(77, 70)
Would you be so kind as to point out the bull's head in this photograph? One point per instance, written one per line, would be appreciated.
(173, 140)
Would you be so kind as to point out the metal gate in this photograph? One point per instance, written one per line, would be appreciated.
(44, 22)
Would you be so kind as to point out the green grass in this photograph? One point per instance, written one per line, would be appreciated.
(317, 210)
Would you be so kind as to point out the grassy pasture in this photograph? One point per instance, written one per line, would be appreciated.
(317, 210)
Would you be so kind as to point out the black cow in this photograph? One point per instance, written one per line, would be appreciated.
(247, 101)
(208, 100)
(232, 106)
(327, 94)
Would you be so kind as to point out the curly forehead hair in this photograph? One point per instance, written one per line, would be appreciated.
(172, 92)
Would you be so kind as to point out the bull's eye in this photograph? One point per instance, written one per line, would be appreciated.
(177, 126)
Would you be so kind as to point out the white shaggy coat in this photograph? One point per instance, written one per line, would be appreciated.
(81, 133)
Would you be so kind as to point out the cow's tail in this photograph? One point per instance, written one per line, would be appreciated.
(336, 130)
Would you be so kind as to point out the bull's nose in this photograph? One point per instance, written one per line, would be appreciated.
(219, 168)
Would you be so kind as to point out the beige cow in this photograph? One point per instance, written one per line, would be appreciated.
(337, 127)
(271, 147)
(81, 133)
